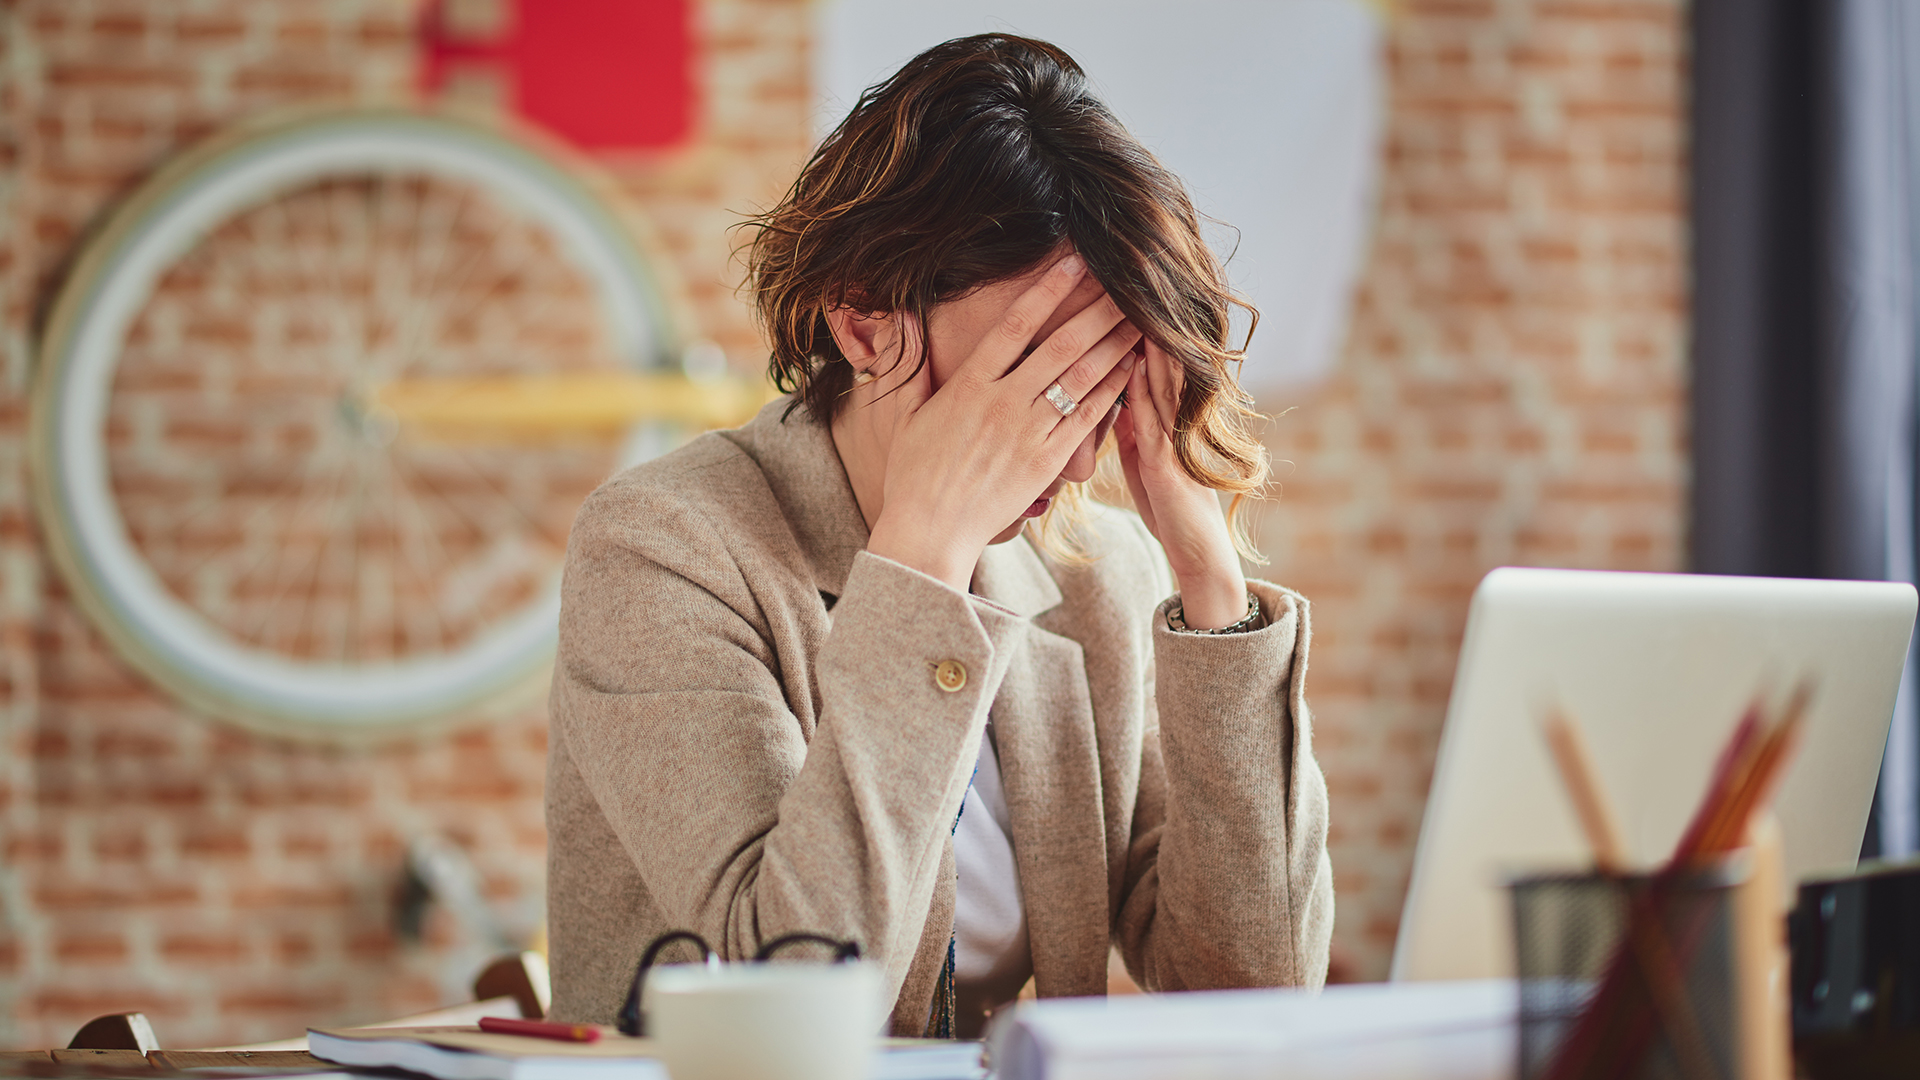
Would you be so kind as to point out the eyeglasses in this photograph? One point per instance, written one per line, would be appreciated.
(631, 1019)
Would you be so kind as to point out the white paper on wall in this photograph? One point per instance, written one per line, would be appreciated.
(1269, 109)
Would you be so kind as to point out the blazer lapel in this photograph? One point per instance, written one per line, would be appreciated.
(796, 455)
(1050, 769)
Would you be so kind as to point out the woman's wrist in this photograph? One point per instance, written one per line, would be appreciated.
(1212, 599)
(916, 549)
(1213, 607)
(1206, 570)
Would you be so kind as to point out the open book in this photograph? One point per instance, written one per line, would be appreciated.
(467, 1053)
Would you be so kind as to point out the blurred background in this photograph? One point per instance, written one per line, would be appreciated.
(1467, 223)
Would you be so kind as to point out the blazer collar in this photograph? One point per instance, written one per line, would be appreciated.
(797, 456)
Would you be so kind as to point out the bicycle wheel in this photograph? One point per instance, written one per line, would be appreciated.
(225, 483)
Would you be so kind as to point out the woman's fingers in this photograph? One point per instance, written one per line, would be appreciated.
(1142, 409)
(1087, 372)
(1164, 376)
(1092, 409)
(1007, 343)
(1126, 436)
(1067, 346)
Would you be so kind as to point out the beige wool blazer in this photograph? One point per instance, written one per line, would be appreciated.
(748, 739)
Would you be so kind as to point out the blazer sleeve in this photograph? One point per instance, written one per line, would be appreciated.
(1228, 883)
(741, 826)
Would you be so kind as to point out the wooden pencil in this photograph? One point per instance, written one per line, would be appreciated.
(1590, 805)
(1734, 763)
(1756, 790)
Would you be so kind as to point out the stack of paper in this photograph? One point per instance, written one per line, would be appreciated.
(465, 1053)
(1401, 1031)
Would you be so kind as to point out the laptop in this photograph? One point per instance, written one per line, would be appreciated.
(1656, 669)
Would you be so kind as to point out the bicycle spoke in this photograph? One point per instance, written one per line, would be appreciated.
(356, 249)
(420, 306)
(440, 316)
(282, 579)
(333, 305)
(425, 577)
(303, 481)
(341, 514)
(411, 630)
(460, 454)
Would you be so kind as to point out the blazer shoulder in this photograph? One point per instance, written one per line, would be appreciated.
(699, 486)
(704, 512)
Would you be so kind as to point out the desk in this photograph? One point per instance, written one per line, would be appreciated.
(286, 1054)
(109, 1063)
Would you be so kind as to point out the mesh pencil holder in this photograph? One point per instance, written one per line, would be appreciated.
(1627, 977)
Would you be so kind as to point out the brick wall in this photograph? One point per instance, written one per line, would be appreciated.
(19, 560)
(1512, 393)
(230, 886)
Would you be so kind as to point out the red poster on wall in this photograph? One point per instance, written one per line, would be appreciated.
(607, 75)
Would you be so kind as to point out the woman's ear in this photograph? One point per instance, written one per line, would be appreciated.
(863, 339)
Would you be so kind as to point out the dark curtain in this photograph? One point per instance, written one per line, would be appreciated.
(1806, 228)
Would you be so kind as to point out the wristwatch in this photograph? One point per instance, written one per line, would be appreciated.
(1253, 620)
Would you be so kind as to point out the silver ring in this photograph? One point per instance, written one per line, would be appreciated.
(1058, 398)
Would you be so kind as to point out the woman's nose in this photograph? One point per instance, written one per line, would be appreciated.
(1080, 466)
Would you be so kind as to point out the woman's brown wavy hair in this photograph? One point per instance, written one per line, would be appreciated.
(970, 165)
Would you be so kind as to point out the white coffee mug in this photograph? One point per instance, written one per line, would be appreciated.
(765, 1021)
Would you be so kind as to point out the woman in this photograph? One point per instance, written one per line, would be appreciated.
(826, 672)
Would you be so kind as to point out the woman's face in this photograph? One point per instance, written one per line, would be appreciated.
(957, 326)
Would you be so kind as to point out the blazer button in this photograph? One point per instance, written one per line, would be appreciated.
(950, 675)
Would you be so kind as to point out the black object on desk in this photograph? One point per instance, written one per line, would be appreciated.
(1856, 974)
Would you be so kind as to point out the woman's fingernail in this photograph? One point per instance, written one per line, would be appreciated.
(1073, 266)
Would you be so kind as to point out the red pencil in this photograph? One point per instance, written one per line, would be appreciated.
(1728, 772)
(540, 1029)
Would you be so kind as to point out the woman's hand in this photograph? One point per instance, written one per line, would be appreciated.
(1182, 513)
(966, 461)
